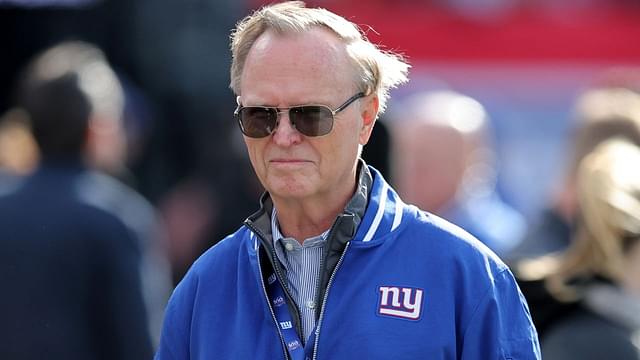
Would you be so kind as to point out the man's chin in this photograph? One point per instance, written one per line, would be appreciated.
(290, 190)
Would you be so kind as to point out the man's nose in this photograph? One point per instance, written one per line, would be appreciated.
(285, 133)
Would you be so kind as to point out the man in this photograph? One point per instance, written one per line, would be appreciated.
(334, 265)
(80, 262)
(444, 164)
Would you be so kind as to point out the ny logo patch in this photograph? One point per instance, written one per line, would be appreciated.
(285, 325)
(400, 302)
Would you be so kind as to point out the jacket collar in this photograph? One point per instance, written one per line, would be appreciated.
(374, 210)
(384, 210)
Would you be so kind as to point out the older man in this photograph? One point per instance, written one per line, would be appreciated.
(334, 265)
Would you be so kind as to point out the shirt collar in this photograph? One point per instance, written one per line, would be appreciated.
(280, 243)
(278, 237)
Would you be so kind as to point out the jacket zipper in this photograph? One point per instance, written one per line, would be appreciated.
(282, 280)
(322, 260)
(324, 301)
(273, 314)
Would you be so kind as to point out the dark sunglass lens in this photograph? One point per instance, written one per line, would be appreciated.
(312, 120)
(257, 122)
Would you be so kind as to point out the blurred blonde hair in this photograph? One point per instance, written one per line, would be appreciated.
(608, 187)
(375, 70)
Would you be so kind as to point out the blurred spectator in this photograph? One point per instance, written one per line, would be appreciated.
(601, 114)
(600, 270)
(444, 163)
(82, 254)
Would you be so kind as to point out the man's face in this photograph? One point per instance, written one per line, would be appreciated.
(309, 68)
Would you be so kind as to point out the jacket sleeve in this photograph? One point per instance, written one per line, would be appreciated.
(501, 326)
(174, 339)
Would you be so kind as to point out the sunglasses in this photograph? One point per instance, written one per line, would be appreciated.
(309, 120)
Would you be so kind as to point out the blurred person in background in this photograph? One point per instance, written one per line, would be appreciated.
(600, 114)
(444, 163)
(82, 257)
(334, 265)
(600, 270)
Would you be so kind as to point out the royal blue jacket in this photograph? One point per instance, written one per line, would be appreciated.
(408, 285)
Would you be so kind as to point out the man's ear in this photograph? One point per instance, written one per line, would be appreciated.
(369, 112)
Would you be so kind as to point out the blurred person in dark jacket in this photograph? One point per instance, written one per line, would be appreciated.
(81, 265)
(600, 271)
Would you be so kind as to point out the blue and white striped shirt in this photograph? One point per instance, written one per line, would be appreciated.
(302, 266)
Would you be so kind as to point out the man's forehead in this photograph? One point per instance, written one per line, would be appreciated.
(322, 43)
(314, 60)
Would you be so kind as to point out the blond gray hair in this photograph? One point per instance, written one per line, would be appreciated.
(376, 70)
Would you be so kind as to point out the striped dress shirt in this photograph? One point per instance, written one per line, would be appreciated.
(302, 267)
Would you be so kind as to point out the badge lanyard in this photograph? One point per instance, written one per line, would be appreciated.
(285, 323)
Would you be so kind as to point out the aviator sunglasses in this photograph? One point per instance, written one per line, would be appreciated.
(309, 120)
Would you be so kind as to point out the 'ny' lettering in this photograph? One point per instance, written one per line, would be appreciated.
(402, 302)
